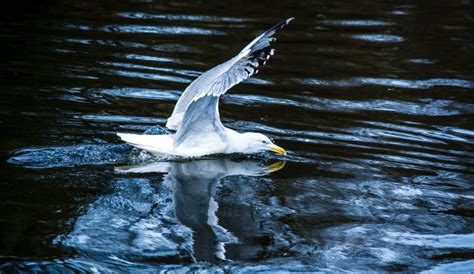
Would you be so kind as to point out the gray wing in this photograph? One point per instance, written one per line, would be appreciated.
(219, 79)
(201, 120)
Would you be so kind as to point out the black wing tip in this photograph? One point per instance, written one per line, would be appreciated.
(282, 24)
(260, 53)
(287, 21)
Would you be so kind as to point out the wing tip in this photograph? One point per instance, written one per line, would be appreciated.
(287, 21)
(282, 24)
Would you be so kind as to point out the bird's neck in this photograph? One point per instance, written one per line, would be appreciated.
(238, 142)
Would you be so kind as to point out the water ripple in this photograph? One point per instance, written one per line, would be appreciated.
(357, 23)
(161, 95)
(428, 107)
(119, 118)
(375, 119)
(140, 57)
(437, 241)
(166, 30)
(388, 82)
(456, 267)
(143, 75)
(379, 38)
(179, 17)
(73, 156)
(190, 73)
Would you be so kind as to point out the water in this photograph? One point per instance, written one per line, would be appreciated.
(373, 101)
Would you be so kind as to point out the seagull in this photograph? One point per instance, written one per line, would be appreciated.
(196, 119)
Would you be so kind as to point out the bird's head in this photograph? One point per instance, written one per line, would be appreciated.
(257, 142)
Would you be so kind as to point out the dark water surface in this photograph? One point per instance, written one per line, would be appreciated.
(374, 101)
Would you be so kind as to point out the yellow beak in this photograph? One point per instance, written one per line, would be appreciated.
(277, 149)
(276, 166)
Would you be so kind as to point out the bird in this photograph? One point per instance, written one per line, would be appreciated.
(196, 119)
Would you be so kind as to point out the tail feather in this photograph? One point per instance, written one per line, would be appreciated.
(156, 144)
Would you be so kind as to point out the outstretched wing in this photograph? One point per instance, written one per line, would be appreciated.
(221, 78)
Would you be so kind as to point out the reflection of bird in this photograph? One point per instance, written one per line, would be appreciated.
(195, 117)
(194, 185)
